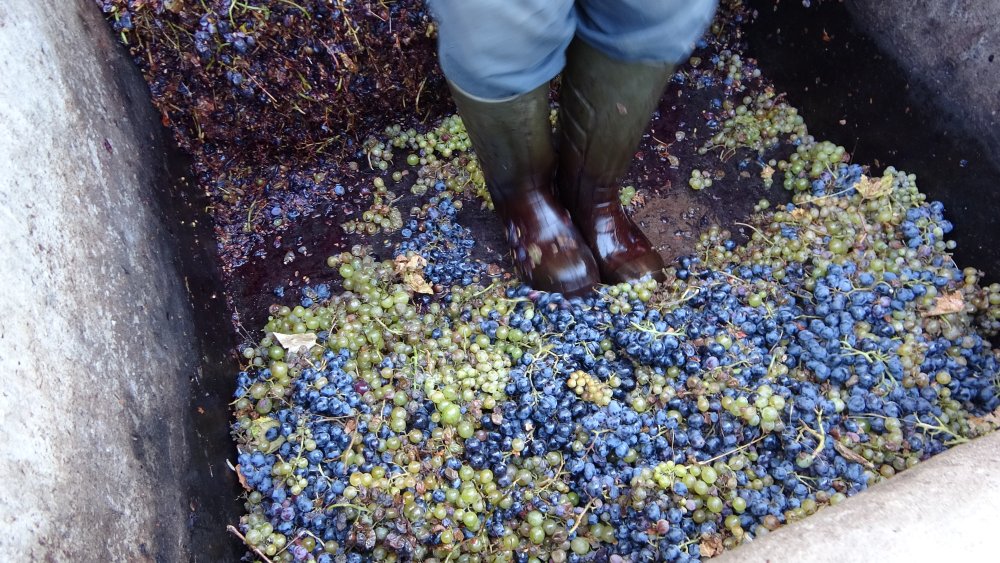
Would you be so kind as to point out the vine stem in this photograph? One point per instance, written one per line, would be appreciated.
(232, 529)
(756, 230)
(582, 515)
(734, 450)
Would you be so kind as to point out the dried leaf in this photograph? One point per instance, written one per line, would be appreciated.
(409, 262)
(873, 189)
(946, 304)
(535, 254)
(296, 342)
(799, 213)
(989, 420)
(348, 62)
(711, 545)
(476, 409)
(766, 173)
(241, 478)
(411, 268)
(417, 283)
(851, 455)
(350, 426)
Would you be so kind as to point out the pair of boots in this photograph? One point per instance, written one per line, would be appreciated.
(580, 236)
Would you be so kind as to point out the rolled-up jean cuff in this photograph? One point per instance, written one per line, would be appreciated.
(663, 31)
(496, 49)
(496, 88)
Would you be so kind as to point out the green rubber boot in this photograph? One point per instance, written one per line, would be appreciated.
(513, 141)
(605, 108)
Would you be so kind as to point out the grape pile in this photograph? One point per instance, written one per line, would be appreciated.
(432, 411)
(426, 414)
(429, 410)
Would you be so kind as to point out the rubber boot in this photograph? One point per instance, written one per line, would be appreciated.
(513, 140)
(605, 108)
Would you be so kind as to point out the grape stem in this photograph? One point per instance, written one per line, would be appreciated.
(582, 515)
(756, 230)
(420, 90)
(357, 507)
(834, 194)
(872, 357)
(389, 330)
(734, 450)
(248, 227)
(820, 435)
(253, 548)
(488, 288)
(941, 428)
(653, 331)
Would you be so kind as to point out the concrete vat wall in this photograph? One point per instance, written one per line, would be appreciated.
(944, 509)
(98, 344)
(951, 50)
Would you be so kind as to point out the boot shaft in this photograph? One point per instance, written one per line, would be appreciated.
(513, 141)
(606, 105)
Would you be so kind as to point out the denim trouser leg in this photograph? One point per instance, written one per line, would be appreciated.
(496, 49)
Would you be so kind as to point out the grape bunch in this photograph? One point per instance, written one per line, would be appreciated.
(445, 244)
(758, 122)
(442, 155)
(382, 216)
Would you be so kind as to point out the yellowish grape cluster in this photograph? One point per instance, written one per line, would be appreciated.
(757, 123)
(590, 388)
(381, 216)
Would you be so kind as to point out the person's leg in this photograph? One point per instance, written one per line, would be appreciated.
(663, 31)
(513, 140)
(498, 57)
(615, 74)
(497, 49)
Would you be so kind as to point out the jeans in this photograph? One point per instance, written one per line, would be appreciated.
(498, 49)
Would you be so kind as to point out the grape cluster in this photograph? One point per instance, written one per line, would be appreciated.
(725, 67)
(381, 216)
(442, 155)
(808, 163)
(442, 241)
(700, 180)
(758, 122)
(590, 388)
